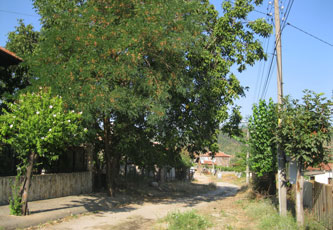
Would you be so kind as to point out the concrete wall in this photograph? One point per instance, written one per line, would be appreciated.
(50, 186)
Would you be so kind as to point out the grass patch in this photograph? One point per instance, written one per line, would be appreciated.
(267, 217)
(189, 220)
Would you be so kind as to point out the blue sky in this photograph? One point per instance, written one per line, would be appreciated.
(307, 62)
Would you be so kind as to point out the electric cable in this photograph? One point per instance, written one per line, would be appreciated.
(319, 39)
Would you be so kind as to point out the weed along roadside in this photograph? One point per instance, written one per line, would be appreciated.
(245, 210)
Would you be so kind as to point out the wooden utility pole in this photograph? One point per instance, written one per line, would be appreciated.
(280, 155)
(247, 156)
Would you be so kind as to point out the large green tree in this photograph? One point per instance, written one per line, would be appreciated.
(197, 113)
(159, 66)
(303, 133)
(115, 60)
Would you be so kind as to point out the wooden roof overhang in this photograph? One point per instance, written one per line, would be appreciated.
(8, 58)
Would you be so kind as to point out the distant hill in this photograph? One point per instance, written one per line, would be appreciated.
(229, 145)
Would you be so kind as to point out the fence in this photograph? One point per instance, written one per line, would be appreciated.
(323, 203)
(307, 194)
(50, 186)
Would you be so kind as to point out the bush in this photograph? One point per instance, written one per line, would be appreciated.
(264, 184)
(187, 220)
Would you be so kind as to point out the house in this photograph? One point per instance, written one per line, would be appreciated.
(220, 159)
(8, 58)
(322, 173)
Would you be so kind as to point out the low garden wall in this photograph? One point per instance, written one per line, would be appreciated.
(50, 186)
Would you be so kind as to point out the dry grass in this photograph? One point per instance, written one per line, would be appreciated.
(229, 213)
(247, 211)
(226, 213)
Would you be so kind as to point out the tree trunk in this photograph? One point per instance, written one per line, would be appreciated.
(299, 196)
(114, 173)
(162, 174)
(247, 158)
(125, 168)
(112, 159)
(97, 173)
(108, 156)
(26, 184)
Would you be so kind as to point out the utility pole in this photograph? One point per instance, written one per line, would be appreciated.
(247, 156)
(280, 155)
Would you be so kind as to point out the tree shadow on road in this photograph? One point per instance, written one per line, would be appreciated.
(128, 199)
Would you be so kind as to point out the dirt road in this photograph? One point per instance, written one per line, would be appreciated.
(141, 216)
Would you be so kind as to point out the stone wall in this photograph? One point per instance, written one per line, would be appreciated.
(50, 186)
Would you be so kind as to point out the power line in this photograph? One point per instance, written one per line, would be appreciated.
(261, 72)
(18, 13)
(319, 39)
(268, 78)
(269, 74)
(258, 11)
(286, 15)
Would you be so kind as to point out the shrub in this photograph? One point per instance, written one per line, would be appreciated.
(187, 220)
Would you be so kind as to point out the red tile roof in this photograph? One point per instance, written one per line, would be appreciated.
(322, 166)
(218, 154)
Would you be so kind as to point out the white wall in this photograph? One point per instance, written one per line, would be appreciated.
(323, 178)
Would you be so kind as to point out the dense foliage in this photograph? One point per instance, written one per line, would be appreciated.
(262, 128)
(37, 122)
(263, 149)
(147, 71)
(305, 128)
(35, 126)
(302, 135)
